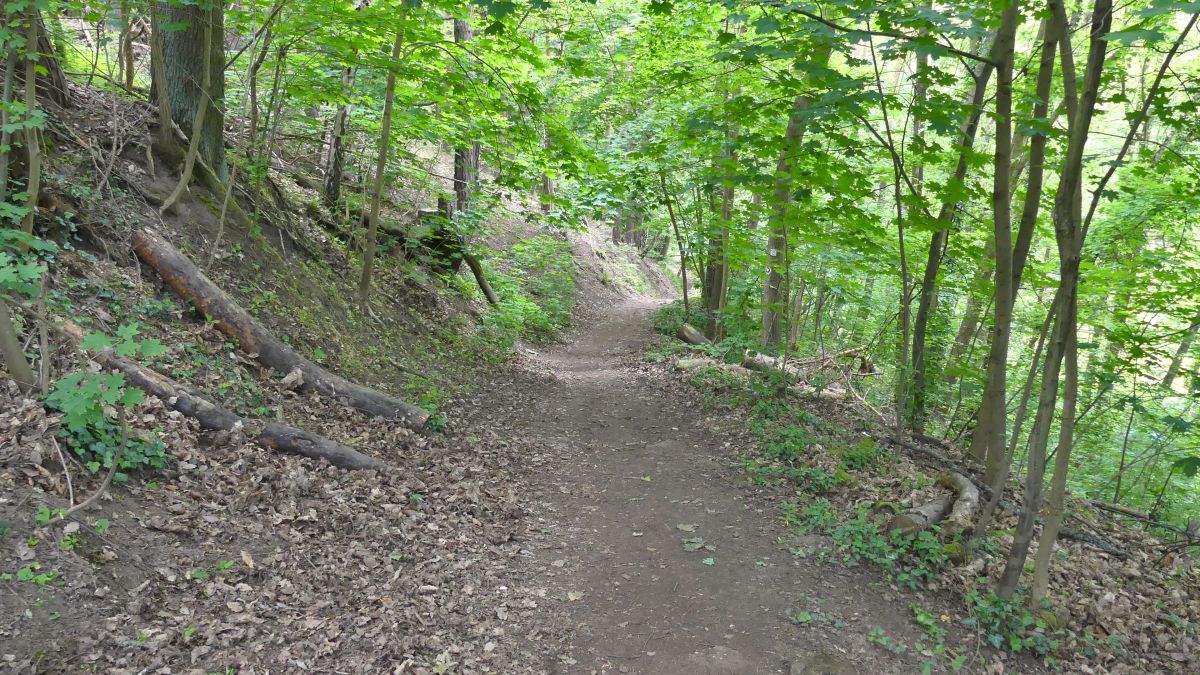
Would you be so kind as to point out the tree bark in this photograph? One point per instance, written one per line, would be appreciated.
(1069, 233)
(33, 144)
(1055, 506)
(480, 278)
(687, 309)
(189, 53)
(336, 156)
(937, 247)
(774, 292)
(987, 445)
(197, 126)
(10, 348)
(1185, 345)
(364, 281)
(182, 277)
(10, 67)
(158, 84)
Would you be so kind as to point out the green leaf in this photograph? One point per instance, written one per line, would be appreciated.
(96, 342)
(1133, 35)
(693, 543)
(1188, 466)
(708, 561)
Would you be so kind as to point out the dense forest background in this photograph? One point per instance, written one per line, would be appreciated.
(989, 207)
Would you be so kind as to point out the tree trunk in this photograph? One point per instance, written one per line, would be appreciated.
(477, 270)
(33, 144)
(937, 248)
(364, 281)
(10, 68)
(687, 309)
(1069, 234)
(716, 272)
(988, 442)
(1062, 460)
(197, 125)
(126, 43)
(774, 292)
(1185, 345)
(335, 157)
(182, 277)
(252, 79)
(165, 143)
(184, 55)
(10, 348)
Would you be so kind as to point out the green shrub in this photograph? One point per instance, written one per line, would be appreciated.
(84, 398)
(1009, 623)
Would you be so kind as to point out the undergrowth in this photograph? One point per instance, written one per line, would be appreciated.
(813, 458)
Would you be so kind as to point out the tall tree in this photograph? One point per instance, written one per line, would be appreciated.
(200, 32)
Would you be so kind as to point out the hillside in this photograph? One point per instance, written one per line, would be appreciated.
(618, 336)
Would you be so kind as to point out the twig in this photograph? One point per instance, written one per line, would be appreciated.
(66, 471)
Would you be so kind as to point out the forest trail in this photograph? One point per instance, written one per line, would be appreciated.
(627, 473)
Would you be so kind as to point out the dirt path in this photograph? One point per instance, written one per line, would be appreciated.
(626, 472)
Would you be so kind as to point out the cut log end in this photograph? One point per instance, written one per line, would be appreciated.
(691, 335)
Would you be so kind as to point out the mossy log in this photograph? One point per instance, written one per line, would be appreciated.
(213, 417)
(178, 272)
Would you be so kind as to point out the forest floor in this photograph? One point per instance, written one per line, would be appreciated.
(625, 478)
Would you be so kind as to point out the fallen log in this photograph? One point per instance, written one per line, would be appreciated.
(213, 417)
(691, 335)
(945, 463)
(178, 272)
(753, 360)
(962, 514)
(921, 517)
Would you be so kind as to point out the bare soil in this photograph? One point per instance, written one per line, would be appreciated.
(623, 470)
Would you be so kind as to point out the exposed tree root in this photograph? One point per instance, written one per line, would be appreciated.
(190, 283)
(213, 417)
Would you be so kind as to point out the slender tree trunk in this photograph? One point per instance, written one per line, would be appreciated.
(10, 348)
(336, 156)
(988, 442)
(33, 143)
(1185, 345)
(364, 282)
(197, 48)
(10, 67)
(937, 247)
(1069, 233)
(466, 158)
(774, 293)
(687, 309)
(252, 80)
(717, 269)
(126, 44)
(1116, 499)
(1062, 461)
